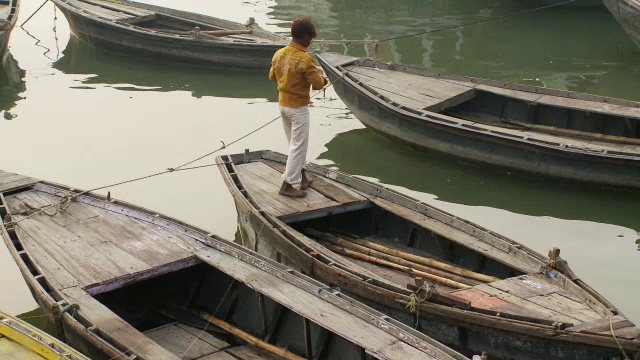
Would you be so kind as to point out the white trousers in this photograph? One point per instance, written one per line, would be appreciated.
(296, 128)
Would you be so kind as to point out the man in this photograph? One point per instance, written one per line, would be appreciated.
(294, 71)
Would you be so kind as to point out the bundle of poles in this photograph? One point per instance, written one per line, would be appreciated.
(419, 266)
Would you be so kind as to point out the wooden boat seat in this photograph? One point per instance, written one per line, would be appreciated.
(87, 246)
(420, 93)
(263, 182)
(534, 296)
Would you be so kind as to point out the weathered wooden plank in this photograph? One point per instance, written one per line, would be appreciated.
(13, 181)
(103, 12)
(617, 321)
(72, 262)
(80, 249)
(541, 311)
(221, 355)
(423, 84)
(266, 195)
(479, 299)
(54, 272)
(326, 187)
(181, 342)
(522, 95)
(126, 234)
(113, 327)
(590, 106)
(400, 91)
(566, 306)
(205, 336)
(626, 333)
(114, 6)
(313, 200)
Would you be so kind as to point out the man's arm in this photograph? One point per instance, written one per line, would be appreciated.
(313, 76)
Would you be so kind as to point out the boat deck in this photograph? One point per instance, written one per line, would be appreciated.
(263, 179)
(191, 343)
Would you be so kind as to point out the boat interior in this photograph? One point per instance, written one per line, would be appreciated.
(177, 23)
(515, 108)
(398, 246)
(174, 319)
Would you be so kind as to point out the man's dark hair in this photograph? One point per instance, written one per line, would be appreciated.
(303, 27)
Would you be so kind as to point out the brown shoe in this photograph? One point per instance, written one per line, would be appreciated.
(288, 190)
(306, 181)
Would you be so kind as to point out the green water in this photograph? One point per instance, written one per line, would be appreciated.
(90, 117)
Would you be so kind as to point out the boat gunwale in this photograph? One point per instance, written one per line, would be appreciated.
(451, 124)
(458, 316)
(303, 282)
(223, 42)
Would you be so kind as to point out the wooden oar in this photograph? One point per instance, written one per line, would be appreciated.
(389, 264)
(347, 244)
(425, 261)
(275, 350)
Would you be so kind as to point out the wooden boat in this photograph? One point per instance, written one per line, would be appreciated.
(469, 288)
(172, 34)
(555, 133)
(627, 12)
(21, 341)
(123, 282)
(8, 18)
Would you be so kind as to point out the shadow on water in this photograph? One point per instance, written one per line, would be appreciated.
(362, 152)
(11, 85)
(38, 319)
(134, 73)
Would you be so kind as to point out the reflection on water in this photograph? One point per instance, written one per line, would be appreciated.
(575, 49)
(38, 319)
(364, 153)
(124, 72)
(11, 85)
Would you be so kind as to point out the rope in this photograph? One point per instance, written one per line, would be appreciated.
(415, 300)
(624, 354)
(194, 341)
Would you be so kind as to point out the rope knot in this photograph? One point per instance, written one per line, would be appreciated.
(415, 300)
(171, 169)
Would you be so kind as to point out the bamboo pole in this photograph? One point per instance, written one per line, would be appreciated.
(406, 269)
(425, 261)
(347, 244)
(275, 350)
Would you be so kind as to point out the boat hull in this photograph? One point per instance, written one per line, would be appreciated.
(628, 15)
(117, 37)
(484, 147)
(464, 331)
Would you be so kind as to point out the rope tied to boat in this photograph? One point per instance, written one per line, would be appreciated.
(624, 354)
(415, 300)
